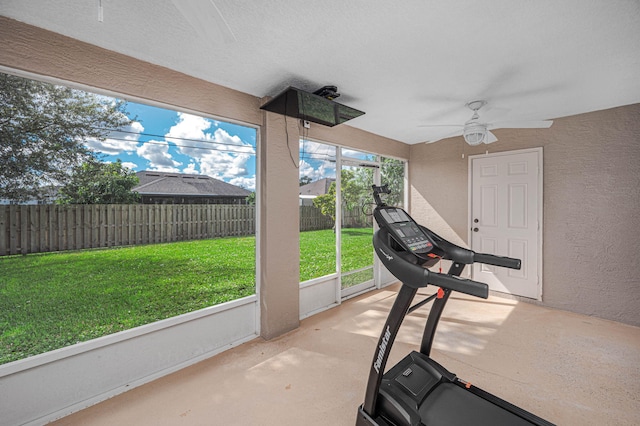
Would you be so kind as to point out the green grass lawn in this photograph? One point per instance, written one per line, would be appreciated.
(357, 248)
(318, 254)
(48, 301)
(52, 300)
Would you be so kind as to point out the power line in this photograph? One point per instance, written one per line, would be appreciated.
(319, 157)
(169, 138)
(186, 146)
(314, 155)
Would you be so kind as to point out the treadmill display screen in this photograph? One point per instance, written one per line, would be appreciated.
(406, 231)
(395, 215)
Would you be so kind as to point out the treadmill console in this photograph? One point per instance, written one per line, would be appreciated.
(404, 230)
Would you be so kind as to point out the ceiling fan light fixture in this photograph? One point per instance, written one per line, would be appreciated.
(474, 134)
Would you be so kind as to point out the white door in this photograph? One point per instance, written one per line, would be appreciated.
(506, 219)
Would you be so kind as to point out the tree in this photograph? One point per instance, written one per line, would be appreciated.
(304, 180)
(43, 128)
(356, 187)
(392, 175)
(327, 202)
(251, 199)
(100, 183)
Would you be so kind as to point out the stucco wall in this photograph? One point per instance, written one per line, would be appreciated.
(591, 231)
(358, 139)
(279, 218)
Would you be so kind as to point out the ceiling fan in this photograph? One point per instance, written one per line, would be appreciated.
(206, 19)
(476, 131)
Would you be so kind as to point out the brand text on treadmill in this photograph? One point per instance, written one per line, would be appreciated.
(383, 348)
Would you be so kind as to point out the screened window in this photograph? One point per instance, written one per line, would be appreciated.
(336, 223)
(317, 210)
(115, 214)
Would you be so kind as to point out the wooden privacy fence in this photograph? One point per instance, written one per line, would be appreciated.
(44, 228)
(312, 220)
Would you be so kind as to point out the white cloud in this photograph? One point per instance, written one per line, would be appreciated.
(317, 160)
(157, 153)
(129, 165)
(224, 165)
(317, 150)
(352, 153)
(126, 164)
(190, 169)
(324, 169)
(190, 127)
(218, 154)
(246, 183)
(307, 169)
(124, 140)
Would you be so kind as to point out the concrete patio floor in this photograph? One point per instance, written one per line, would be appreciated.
(570, 369)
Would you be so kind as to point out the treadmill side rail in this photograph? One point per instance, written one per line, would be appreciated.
(365, 420)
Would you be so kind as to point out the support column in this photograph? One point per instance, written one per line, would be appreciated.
(279, 226)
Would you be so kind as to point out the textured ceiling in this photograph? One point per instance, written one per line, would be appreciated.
(406, 64)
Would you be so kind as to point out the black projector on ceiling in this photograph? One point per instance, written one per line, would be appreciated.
(311, 107)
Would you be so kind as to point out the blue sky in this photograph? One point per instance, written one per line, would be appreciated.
(317, 160)
(165, 140)
(170, 141)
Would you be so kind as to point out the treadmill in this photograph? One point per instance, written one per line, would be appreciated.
(419, 391)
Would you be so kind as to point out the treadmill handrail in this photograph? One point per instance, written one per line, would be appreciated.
(462, 255)
(416, 276)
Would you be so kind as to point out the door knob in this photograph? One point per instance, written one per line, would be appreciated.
(475, 229)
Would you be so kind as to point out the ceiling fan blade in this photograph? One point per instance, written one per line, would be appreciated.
(206, 19)
(541, 124)
(449, 135)
(490, 138)
(441, 125)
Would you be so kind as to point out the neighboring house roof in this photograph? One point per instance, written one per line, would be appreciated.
(162, 183)
(313, 189)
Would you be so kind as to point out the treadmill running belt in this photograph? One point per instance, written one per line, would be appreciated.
(451, 405)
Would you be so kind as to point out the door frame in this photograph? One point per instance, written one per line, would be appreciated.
(539, 201)
(347, 293)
